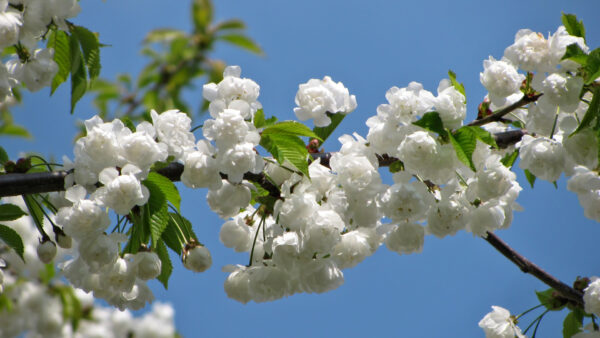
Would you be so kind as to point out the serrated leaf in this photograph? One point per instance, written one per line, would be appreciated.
(259, 119)
(78, 75)
(10, 212)
(592, 66)
(290, 128)
(509, 159)
(575, 53)
(165, 264)
(464, 143)
(573, 26)
(167, 187)
(325, 132)
(592, 113)
(482, 135)
(458, 86)
(530, 177)
(3, 156)
(138, 233)
(11, 238)
(287, 147)
(59, 41)
(91, 50)
(156, 211)
(202, 14)
(242, 41)
(573, 323)
(432, 122)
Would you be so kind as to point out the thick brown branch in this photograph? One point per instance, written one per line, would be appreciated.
(529, 267)
(498, 115)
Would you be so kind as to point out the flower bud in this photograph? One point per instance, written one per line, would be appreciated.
(46, 251)
(196, 258)
(62, 239)
(148, 264)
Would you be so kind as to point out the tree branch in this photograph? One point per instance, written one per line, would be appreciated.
(498, 115)
(529, 267)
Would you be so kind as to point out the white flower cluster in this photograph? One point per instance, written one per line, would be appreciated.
(26, 26)
(37, 309)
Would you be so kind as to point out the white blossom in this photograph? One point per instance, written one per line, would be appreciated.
(500, 324)
(318, 97)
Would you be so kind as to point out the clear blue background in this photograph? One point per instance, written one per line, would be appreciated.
(370, 46)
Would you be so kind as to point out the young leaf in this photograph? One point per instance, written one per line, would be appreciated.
(290, 128)
(482, 135)
(165, 264)
(592, 66)
(530, 177)
(573, 323)
(202, 14)
(78, 76)
(10, 212)
(592, 113)
(14, 130)
(287, 147)
(156, 210)
(259, 119)
(91, 50)
(464, 142)
(432, 122)
(458, 86)
(230, 24)
(59, 41)
(509, 159)
(12, 239)
(573, 26)
(575, 53)
(167, 187)
(325, 132)
(242, 41)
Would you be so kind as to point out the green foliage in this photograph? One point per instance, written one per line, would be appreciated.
(10, 212)
(12, 239)
(78, 74)
(509, 159)
(290, 128)
(530, 177)
(3, 156)
(464, 141)
(202, 14)
(59, 41)
(325, 132)
(178, 233)
(166, 187)
(243, 42)
(431, 121)
(575, 53)
(90, 46)
(457, 85)
(165, 264)
(35, 211)
(551, 300)
(573, 323)
(71, 306)
(156, 210)
(287, 147)
(396, 166)
(573, 26)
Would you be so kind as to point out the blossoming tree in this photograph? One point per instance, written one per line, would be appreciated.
(106, 218)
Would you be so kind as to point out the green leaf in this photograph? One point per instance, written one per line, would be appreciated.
(10, 212)
(432, 122)
(592, 66)
(325, 132)
(259, 119)
(575, 53)
(464, 143)
(509, 159)
(202, 14)
(573, 26)
(3, 156)
(59, 41)
(34, 211)
(156, 209)
(396, 166)
(482, 135)
(163, 34)
(167, 187)
(14, 130)
(230, 24)
(592, 113)
(530, 177)
(243, 42)
(11, 238)
(78, 76)
(165, 264)
(290, 128)
(287, 147)
(71, 306)
(458, 86)
(47, 274)
(573, 323)
(91, 50)
(138, 233)
(128, 123)
(178, 233)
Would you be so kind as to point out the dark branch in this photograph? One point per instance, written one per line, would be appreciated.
(498, 115)
(529, 267)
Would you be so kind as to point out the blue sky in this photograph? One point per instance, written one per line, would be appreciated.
(370, 47)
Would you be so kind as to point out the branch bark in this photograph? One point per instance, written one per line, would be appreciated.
(498, 115)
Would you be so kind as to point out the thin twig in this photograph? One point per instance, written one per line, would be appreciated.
(498, 115)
